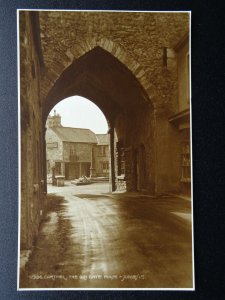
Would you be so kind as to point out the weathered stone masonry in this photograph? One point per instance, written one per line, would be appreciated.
(32, 135)
(74, 152)
(128, 65)
(139, 42)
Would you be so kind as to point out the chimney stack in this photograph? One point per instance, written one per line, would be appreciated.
(54, 121)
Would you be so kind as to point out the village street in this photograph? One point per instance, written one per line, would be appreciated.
(93, 239)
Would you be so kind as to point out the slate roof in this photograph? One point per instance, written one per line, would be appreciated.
(75, 135)
(103, 139)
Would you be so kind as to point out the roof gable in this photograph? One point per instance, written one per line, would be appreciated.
(102, 139)
(75, 135)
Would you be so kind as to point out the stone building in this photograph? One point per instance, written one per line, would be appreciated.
(135, 68)
(181, 119)
(102, 156)
(75, 152)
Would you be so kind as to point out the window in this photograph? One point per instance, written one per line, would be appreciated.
(105, 167)
(48, 167)
(102, 150)
(72, 150)
(185, 157)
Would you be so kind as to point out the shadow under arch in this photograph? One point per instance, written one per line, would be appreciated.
(87, 45)
(108, 83)
(101, 78)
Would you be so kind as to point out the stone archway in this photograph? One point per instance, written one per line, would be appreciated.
(102, 78)
(72, 54)
(62, 55)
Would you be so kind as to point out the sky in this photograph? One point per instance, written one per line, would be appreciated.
(79, 112)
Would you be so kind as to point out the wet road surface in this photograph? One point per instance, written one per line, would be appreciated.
(93, 239)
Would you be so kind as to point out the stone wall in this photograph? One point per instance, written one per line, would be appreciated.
(83, 152)
(137, 132)
(136, 39)
(184, 96)
(54, 147)
(144, 43)
(167, 156)
(32, 139)
(101, 158)
(137, 84)
(183, 75)
(59, 151)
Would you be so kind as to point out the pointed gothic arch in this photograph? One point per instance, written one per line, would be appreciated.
(116, 50)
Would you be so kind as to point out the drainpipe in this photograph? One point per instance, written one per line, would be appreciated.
(92, 168)
(44, 162)
(112, 156)
(80, 171)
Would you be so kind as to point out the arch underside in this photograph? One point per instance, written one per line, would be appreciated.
(103, 79)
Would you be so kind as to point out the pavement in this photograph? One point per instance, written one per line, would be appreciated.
(91, 238)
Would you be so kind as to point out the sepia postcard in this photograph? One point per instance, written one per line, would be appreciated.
(105, 150)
